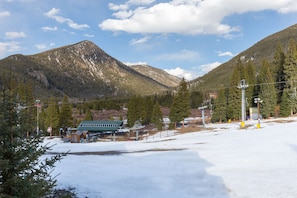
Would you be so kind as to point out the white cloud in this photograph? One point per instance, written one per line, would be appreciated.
(41, 46)
(181, 73)
(225, 53)
(4, 14)
(77, 26)
(14, 35)
(208, 67)
(123, 14)
(290, 7)
(126, 6)
(89, 35)
(115, 7)
(193, 73)
(186, 17)
(139, 41)
(53, 14)
(46, 29)
(9, 47)
(140, 2)
(183, 55)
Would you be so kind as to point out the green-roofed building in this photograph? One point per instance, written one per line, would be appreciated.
(100, 126)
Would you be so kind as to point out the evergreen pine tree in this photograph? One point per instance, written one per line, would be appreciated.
(157, 117)
(180, 108)
(196, 99)
(42, 117)
(65, 116)
(134, 110)
(278, 71)
(147, 110)
(234, 94)
(290, 71)
(250, 77)
(52, 116)
(89, 115)
(27, 112)
(285, 109)
(267, 90)
(22, 172)
(166, 99)
(220, 107)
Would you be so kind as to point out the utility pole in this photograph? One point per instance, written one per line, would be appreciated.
(37, 115)
(210, 106)
(242, 85)
(203, 117)
(258, 101)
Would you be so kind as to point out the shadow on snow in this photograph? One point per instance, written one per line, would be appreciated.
(178, 173)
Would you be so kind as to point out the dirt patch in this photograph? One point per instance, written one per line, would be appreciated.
(97, 153)
(158, 150)
(161, 140)
(191, 129)
(200, 143)
(281, 121)
(118, 152)
(246, 126)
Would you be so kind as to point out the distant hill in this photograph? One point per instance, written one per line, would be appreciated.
(263, 49)
(82, 70)
(158, 75)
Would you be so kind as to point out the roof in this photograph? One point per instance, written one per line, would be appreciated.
(99, 125)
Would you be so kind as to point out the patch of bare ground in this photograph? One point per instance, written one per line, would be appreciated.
(158, 150)
(281, 121)
(191, 129)
(118, 152)
(161, 140)
(246, 126)
(200, 143)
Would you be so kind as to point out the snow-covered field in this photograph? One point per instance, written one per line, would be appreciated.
(223, 161)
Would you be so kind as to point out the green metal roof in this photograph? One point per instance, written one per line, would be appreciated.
(99, 125)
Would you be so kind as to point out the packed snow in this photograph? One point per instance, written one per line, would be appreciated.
(222, 161)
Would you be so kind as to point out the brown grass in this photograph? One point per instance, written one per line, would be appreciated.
(280, 121)
(191, 129)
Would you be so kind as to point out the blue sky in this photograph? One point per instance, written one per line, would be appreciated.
(186, 38)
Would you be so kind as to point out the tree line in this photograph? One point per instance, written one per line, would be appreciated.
(274, 83)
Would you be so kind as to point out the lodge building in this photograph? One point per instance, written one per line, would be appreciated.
(92, 129)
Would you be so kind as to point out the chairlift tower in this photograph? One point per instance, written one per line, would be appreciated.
(203, 117)
(258, 101)
(38, 107)
(242, 85)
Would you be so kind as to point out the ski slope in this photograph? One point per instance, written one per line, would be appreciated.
(223, 161)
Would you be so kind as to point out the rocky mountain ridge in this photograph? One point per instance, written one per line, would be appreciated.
(82, 70)
(157, 74)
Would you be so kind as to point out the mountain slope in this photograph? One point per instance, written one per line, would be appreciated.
(264, 49)
(158, 75)
(81, 70)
